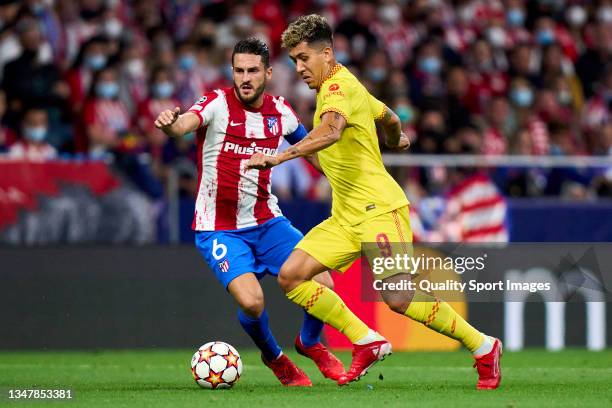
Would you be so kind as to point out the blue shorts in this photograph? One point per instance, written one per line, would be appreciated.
(261, 249)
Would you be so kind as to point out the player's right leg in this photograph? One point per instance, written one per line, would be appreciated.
(273, 247)
(233, 263)
(329, 246)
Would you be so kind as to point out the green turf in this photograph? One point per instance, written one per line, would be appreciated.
(162, 379)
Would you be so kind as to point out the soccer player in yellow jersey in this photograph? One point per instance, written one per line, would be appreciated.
(367, 206)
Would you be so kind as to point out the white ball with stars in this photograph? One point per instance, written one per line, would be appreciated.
(216, 365)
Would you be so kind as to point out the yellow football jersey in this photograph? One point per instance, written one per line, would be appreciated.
(361, 186)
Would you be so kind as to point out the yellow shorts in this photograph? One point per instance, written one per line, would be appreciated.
(338, 246)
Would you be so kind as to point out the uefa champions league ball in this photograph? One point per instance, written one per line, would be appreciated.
(216, 365)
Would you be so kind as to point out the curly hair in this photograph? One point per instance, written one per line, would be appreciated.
(311, 28)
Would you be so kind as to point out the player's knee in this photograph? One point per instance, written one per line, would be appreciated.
(325, 279)
(288, 278)
(252, 305)
(285, 282)
(397, 301)
(398, 306)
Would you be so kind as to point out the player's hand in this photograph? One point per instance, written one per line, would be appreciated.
(167, 118)
(261, 161)
(403, 144)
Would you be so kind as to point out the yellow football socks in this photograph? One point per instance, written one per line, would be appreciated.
(324, 304)
(439, 316)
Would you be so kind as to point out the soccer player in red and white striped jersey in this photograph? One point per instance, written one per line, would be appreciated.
(240, 230)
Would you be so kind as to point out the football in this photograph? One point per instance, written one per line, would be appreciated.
(216, 365)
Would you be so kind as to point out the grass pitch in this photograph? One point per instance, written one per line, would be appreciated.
(162, 378)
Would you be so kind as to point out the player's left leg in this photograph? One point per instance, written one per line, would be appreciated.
(247, 292)
(433, 312)
(275, 244)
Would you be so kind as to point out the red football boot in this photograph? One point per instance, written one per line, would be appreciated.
(489, 372)
(287, 372)
(365, 357)
(328, 364)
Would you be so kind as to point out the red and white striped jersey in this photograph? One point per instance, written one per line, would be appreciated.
(229, 196)
(477, 211)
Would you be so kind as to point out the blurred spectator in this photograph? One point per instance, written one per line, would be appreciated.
(522, 98)
(357, 29)
(190, 84)
(498, 76)
(32, 144)
(7, 136)
(496, 127)
(132, 77)
(92, 57)
(32, 78)
(105, 118)
(10, 47)
(590, 66)
(397, 37)
(486, 78)
(426, 80)
(161, 96)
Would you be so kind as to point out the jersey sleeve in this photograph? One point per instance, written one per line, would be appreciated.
(293, 130)
(376, 107)
(334, 98)
(204, 108)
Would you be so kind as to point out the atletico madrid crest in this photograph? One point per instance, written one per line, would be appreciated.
(273, 125)
(224, 266)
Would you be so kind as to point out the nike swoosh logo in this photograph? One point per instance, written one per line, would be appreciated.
(232, 123)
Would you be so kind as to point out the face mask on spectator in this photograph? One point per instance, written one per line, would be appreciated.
(576, 16)
(95, 61)
(466, 14)
(113, 28)
(430, 65)
(107, 90)
(342, 57)
(404, 113)
(135, 67)
(243, 22)
(522, 97)
(377, 74)
(390, 13)
(186, 62)
(35, 134)
(604, 14)
(163, 90)
(496, 37)
(515, 17)
(545, 37)
(564, 97)
(38, 9)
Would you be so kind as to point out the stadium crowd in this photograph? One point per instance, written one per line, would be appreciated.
(488, 77)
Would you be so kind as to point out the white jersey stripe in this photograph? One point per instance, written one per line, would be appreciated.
(247, 196)
(207, 191)
(254, 125)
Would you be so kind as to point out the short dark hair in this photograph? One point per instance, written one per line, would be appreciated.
(311, 28)
(255, 46)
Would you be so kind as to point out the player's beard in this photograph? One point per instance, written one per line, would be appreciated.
(256, 93)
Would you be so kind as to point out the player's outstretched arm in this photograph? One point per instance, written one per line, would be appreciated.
(326, 134)
(172, 123)
(394, 137)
